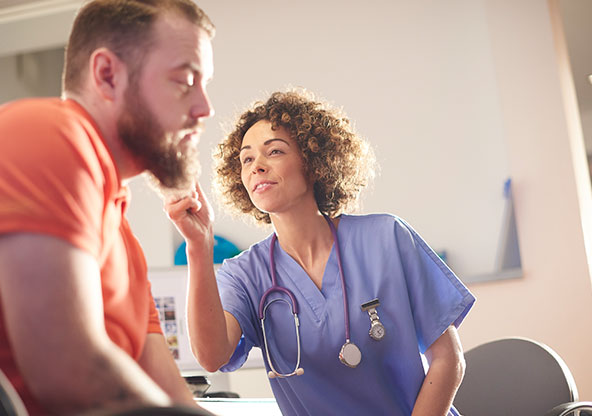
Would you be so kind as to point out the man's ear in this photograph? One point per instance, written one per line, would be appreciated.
(108, 74)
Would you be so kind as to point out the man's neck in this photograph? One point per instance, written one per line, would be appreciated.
(107, 125)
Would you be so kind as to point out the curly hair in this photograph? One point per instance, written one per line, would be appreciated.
(338, 161)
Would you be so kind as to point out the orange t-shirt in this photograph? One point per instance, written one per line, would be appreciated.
(57, 177)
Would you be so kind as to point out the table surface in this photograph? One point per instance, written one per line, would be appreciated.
(243, 407)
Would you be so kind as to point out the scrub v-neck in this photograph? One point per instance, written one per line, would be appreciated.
(288, 268)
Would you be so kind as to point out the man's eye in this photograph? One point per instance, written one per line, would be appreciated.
(185, 82)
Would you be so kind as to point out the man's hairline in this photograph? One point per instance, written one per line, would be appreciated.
(137, 65)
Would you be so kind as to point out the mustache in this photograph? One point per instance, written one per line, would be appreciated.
(194, 125)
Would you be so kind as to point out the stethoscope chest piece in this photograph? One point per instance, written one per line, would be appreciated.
(350, 354)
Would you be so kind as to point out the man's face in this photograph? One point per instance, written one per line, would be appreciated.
(166, 102)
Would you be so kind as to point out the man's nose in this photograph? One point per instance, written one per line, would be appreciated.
(201, 106)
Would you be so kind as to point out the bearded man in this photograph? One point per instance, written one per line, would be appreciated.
(78, 327)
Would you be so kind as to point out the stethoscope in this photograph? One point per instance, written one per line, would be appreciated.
(350, 354)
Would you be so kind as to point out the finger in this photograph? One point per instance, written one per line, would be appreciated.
(201, 196)
(194, 207)
(175, 209)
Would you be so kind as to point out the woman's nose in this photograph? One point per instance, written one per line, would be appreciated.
(259, 166)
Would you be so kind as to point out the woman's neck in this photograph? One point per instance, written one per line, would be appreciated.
(301, 230)
(308, 239)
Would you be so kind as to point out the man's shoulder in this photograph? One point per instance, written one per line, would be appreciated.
(51, 126)
(50, 116)
(36, 108)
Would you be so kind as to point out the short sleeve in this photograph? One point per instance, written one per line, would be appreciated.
(153, 317)
(50, 179)
(438, 298)
(236, 300)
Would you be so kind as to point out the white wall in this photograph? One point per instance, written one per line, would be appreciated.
(415, 77)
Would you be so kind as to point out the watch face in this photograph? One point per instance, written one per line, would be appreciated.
(377, 331)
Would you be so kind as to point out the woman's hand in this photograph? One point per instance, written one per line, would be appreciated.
(193, 216)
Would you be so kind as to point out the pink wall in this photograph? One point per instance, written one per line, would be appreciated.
(552, 303)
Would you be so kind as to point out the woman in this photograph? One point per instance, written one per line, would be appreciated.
(371, 297)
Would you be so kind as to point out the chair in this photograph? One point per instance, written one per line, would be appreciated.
(10, 402)
(517, 376)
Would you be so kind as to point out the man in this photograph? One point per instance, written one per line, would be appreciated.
(78, 327)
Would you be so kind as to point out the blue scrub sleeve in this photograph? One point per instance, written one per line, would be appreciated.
(438, 298)
(236, 301)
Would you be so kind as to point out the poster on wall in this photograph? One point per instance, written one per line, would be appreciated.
(169, 288)
(167, 312)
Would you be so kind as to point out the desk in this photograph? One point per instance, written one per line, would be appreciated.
(242, 407)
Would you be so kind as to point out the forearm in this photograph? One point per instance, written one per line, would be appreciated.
(439, 388)
(213, 338)
(57, 331)
(206, 318)
(157, 361)
(99, 378)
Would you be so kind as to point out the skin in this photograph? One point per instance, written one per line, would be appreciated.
(70, 343)
(273, 174)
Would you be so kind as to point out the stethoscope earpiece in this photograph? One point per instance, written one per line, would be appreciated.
(298, 372)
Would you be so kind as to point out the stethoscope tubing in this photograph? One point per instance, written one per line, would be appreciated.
(294, 305)
(342, 275)
(274, 286)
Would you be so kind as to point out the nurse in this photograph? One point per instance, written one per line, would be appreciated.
(357, 303)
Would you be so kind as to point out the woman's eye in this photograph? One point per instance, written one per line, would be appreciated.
(275, 152)
(247, 160)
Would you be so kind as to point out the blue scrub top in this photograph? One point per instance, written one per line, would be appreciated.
(384, 258)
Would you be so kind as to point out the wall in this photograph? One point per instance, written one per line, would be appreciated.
(576, 16)
(415, 77)
(25, 75)
(552, 303)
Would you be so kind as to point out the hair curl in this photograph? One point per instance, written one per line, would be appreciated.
(338, 161)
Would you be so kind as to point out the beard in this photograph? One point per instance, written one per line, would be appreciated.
(172, 167)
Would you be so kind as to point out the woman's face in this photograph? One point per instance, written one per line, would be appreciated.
(272, 170)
